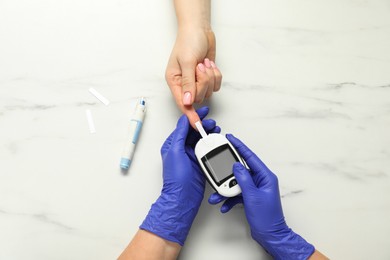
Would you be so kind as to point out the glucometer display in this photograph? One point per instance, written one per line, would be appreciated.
(219, 163)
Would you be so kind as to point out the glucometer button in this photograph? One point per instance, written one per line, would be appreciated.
(232, 183)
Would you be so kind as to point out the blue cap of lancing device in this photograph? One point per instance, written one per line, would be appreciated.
(125, 163)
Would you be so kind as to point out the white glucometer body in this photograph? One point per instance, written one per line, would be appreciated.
(216, 157)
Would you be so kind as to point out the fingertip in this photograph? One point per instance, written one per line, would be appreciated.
(217, 130)
(215, 198)
(233, 140)
(209, 124)
(230, 137)
(207, 63)
(201, 75)
(238, 166)
(243, 177)
(201, 67)
(224, 209)
(202, 112)
(240, 172)
(211, 200)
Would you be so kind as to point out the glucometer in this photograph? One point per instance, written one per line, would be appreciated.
(216, 157)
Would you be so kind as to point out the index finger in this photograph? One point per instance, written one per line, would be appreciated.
(190, 112)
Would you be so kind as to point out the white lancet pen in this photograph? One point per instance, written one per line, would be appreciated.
(134, 131)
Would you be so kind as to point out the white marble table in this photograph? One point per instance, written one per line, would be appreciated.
(306, 85)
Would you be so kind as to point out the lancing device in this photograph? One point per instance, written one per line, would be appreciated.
(134, 130)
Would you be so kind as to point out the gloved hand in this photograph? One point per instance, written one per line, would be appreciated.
(263, 208)
(171, 216)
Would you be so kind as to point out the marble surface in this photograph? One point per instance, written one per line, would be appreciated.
(306, 86)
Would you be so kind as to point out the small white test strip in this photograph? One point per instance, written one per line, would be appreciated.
(99, 96)
(200, 128)
(91, 125)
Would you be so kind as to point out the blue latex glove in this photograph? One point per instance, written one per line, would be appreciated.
(263, 208)
(171, 216)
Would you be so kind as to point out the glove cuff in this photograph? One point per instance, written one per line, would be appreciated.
(169, 219)
(287, 244)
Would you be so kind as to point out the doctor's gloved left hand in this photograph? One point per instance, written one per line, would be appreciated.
(171, 216)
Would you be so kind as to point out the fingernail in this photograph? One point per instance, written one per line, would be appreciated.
(213, 65)
(207, 63)
(201, 67)
(187, 98)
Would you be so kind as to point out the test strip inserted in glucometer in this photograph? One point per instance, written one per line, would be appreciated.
(200, 128)
(216, 156)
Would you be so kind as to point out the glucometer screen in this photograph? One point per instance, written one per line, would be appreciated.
(219, 163)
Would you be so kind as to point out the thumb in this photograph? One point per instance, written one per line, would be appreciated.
(188, 83)
(181, 131)
(244, 179)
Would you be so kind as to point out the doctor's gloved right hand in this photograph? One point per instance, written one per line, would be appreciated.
(263, 208)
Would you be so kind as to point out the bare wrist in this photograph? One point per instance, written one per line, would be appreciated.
(192, 28)
(193, 14)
